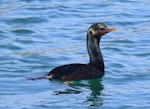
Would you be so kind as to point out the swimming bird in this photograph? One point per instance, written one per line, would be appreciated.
(92, 70)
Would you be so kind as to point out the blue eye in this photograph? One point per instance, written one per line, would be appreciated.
(100, 30)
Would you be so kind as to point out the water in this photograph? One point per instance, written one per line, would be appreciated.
(38, 35)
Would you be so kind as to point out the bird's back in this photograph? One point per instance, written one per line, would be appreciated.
(75, 72)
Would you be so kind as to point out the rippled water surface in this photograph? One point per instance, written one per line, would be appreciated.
(38, 35)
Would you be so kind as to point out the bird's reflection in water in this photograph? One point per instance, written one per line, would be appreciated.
(93, 85)
(95, 97)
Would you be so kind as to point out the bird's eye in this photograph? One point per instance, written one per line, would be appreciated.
(100, 30)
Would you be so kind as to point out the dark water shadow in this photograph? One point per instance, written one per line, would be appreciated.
(95, 97)
(78, 87)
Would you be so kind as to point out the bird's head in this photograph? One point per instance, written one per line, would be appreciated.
(99, 29)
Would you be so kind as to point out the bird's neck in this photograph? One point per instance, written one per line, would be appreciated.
(96, 58)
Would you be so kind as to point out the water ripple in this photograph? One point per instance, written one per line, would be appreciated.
(38, 35)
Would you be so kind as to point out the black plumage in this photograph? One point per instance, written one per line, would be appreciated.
(93, 69)
(75, 72)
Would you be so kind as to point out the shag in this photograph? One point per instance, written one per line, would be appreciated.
(92, 70)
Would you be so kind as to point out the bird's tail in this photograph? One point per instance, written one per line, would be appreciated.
(38, 78)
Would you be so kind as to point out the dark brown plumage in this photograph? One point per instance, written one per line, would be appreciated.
(93, 69)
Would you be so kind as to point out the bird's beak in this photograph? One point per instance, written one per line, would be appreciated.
(111, 30)
(106, 30)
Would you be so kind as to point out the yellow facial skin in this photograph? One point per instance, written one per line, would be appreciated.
(100, 30)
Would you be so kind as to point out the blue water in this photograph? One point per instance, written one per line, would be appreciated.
(38, 35)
